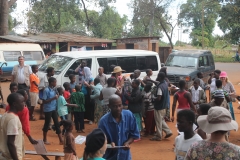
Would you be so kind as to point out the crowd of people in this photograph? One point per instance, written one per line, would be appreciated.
(125, 108)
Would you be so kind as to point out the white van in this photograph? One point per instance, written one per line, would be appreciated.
(66, 62)
(9, 52)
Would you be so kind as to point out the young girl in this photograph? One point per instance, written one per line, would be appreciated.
(69, 141)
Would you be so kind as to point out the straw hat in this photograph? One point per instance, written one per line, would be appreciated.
(218, 119)
(117, 69)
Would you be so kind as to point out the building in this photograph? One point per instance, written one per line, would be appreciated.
(143, 43)
(60, 42)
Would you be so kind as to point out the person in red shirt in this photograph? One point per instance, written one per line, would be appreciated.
(24, 114)
(34, 91)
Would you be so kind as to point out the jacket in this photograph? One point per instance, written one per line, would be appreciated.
(26, 74)
(163, 103)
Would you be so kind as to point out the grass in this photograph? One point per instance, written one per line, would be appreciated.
(222, 55)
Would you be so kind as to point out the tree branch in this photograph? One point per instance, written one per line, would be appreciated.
(85, 10)
(11, 2)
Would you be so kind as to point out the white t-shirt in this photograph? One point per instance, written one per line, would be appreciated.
(107, 92)
(213, 85)
(182, 145)
(11, 125)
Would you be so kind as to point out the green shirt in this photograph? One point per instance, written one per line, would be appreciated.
(79, 99)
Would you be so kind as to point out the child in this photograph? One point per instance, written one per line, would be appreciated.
(198, 94)
(185, 120)
(24, 114)
(102, 76)
(11, 143)
(69, 141)
(183, 98)
(203, 110)
(203, 85)
(34, 92)
(135, 102)
(149, 110)
(219, 87)
(44, 83)
(148, 76)
(78, 99)
(49, 107)
(67, 96)
(72, 82)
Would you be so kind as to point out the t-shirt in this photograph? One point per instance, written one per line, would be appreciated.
(62, 108)
(213, 151)
(103, 79)
(182, 145)
(33, 87)
(213, 85)
(11, 125)
(148, 101)
(49, 93)
(107, 92)
(72, 87)
(69, 140)
(67, 95)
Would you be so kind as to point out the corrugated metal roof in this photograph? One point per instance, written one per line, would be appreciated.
(55, 37)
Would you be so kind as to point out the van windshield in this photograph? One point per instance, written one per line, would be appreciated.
(59, 63)
(181, 61)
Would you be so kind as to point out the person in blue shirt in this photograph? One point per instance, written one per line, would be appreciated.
(50, 97)
(120, 128)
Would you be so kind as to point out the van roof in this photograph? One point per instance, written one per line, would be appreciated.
(107, 53)
(20, 47)
(192, 52)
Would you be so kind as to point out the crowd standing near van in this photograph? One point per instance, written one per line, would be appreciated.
(123, 106)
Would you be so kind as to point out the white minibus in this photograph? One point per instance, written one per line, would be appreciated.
(65, 63)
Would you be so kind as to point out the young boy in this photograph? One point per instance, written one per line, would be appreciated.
(185, 121)
(203, 85)
(23, 115)
(72, 82)
(34, 92)
(148, 76)
(78, 99)
(149, 110)
(198, 94)
(44, 83)
(11, 143)
(102, 76)
(49, 107)
(135, 102)
(66, 92)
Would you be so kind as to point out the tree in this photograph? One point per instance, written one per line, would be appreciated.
(201, 15)
(5, 5)
(229, 21)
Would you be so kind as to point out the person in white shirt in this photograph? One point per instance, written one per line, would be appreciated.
(198, 94)
(12, 143)
(212, 80)
(185, 121)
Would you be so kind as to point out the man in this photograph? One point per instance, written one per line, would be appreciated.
(160, 104)
(20, 75)
(102, 76)
(203, 85)
(79, 70)
(120, 128)
(218, 99)
(11, 144)
(185, 121)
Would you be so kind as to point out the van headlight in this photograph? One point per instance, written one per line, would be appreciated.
(186, 78)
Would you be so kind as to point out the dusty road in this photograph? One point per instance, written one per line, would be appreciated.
(141, 150)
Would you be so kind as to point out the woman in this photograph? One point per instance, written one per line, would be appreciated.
(79, 70)
(217, 123)
(212, 81)
(107, 92)
(95, 145)
(86, 90)
(227, 86)
(118, 75)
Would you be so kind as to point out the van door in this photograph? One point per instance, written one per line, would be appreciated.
(204, 67)
(71, 70)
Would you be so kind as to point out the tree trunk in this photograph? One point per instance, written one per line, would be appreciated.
(4, 17)
(165, 30)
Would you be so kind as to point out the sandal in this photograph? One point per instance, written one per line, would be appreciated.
(155, 139)
(47, 143)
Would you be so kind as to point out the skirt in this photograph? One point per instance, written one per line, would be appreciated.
(105, 109)
(138, 120)
(98, 112)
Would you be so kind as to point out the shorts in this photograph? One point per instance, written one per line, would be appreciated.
(34, 98)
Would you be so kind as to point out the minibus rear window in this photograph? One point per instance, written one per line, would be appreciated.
(33, 55)
(11, 55)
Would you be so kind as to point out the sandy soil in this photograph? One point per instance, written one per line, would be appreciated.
(141, 150)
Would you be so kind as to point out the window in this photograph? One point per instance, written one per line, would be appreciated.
(33, 55)
(11, 55)
(181, 61)
(76, 64)
(130, 46)
(203, 61)
(211, 62)
(129, 63)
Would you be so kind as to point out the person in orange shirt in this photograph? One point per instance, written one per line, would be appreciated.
(34, 91)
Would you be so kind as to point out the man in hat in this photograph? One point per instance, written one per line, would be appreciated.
(218, 99)
(217, 123)
(120, 128)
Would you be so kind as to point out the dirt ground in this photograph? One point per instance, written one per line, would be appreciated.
(143, 149)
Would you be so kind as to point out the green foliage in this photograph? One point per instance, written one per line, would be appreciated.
(229, 22)
(191, 15)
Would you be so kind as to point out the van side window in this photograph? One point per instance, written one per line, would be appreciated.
(129, 63)
(205, 61)
(211, 62)
(33, 55)
(11, 55)
(76, 64)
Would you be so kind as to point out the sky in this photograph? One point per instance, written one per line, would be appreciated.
(122, 8)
